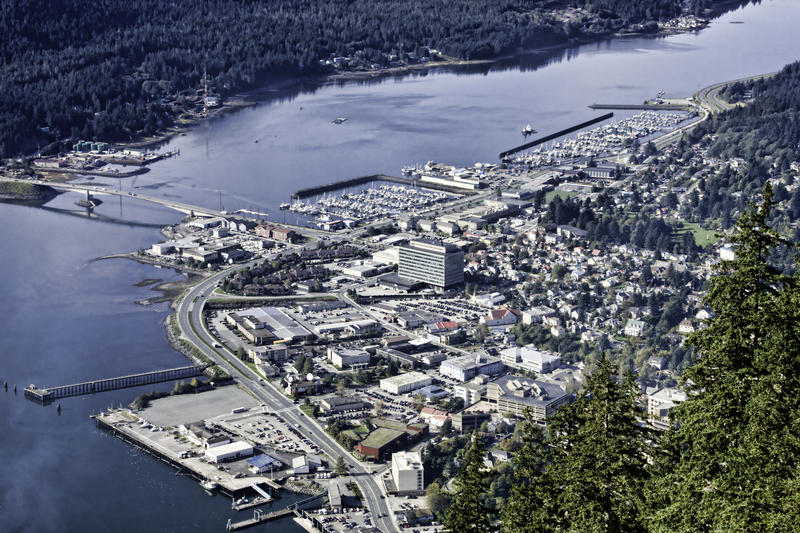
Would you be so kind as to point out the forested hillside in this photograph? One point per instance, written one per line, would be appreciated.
(767, 126)
(761, 141)
(117, 69)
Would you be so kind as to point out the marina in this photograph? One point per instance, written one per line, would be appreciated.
(370, 203)
(605, 139)
(555, 135)
(344, 184)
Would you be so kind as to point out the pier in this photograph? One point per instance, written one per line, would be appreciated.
(555, 135)
(45, 395)
(260, 517)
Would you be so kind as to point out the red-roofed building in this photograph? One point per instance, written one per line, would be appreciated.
(434, 417)
(264, 231)
(443, 327)
(500, 317)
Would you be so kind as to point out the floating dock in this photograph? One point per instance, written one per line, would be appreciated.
(255, 502)
(45, 395)
(260, 517)
(555, 135)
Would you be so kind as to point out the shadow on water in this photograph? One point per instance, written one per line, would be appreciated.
(91, 215)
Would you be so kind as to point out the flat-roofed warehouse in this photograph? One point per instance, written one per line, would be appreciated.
(403, 383)
(229, 452)
(275, 320)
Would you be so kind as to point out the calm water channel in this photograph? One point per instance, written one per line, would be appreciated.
(67, 318)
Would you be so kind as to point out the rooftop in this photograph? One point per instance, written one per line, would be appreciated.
(381, 437)
(405, 379)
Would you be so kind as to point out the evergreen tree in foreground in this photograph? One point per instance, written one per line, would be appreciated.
(468, 511)
(731, 463)
(533, 497)
(588, 474)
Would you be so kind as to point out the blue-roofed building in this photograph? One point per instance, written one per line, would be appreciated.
(264, 463)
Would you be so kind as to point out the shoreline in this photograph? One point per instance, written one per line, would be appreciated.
(255, 96)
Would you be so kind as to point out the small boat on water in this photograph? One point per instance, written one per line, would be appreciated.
(285, 205)
(338, 120)
(209, 484)
(527, 130)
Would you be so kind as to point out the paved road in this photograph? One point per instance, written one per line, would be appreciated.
(190, 320)
(709, 103)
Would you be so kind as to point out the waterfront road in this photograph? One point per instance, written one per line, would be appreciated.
(709, 102)
(191, 322)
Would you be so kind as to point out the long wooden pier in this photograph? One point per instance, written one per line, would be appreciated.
(555, 135)
(45, 395)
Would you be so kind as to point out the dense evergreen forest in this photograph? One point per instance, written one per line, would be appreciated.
(767, 127)
(116, 70)
(762, 138)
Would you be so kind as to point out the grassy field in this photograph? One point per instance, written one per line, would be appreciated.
(549, 195)
(703, 237)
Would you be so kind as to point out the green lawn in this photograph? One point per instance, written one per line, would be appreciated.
(703, 237)
(308, 409)
(563, 194)
(361, 430)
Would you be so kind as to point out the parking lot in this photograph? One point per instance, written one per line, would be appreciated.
(267, 430)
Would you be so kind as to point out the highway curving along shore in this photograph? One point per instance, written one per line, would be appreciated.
(191, 323)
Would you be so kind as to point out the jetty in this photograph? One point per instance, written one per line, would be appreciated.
(44, 395)
(352, 182)
(555, 135)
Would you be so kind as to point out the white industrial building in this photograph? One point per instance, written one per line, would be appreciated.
(348, 357)
(467, 367)
(472, 391)
(529, 358)
(229, 452)
(407, 472)
(305, 464)
(404, 383)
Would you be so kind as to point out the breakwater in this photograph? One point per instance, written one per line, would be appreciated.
(352, 182)
(555, 135)
(651, 107)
